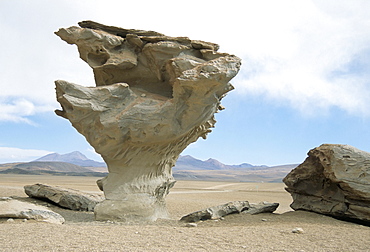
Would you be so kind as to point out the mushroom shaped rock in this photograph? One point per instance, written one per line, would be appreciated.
(154, 96)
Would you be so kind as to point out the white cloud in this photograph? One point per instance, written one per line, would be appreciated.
(17, 110)
(9, 154)
(33, 58)
(320, 66)
(306, 54)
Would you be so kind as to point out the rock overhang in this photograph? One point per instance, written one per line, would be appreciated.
(154, 95)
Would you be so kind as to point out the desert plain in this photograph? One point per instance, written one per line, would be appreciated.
(238, 232)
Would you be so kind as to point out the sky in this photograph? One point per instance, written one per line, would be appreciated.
(304, 80)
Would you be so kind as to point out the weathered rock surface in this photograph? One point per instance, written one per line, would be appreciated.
(12, 208)
(333, 180)
(155, 95)
(262, 207)
(216, 212)
(67, 198)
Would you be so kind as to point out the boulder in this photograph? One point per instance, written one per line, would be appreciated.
(333, 180)
(67, 198)
(154, 95)
(262, 207)
(216, 212)
(13, 208)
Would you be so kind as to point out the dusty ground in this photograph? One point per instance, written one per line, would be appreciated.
(241, 232)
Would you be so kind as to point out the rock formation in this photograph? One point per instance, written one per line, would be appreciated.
(67, 198)
(333, 180)
(216, 212)
(12, 208)
(154, 96)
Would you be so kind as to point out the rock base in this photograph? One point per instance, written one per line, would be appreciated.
(136, 208)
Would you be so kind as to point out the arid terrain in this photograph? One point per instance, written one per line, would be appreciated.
(239, 232)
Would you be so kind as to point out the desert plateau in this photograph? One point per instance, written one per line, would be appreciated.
(247, 132)
(237, 232)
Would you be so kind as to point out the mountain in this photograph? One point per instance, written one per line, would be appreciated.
(236, 173)
(189, 163)
(186, 168)
(186, 162)
(54, 173)
(75, 157)
(51, 168)
(189, 168)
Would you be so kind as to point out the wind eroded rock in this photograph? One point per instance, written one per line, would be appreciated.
(67, 198)
(155, 95)
(12, 208)
(333, 180)
(217, 212)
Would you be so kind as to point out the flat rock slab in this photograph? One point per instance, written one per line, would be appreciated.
(217, 212)
(12, 208)
(67, 198)
(333, 180)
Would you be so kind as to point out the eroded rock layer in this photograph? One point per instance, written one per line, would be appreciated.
(13, 208)
(155, 95)
(217, 212)
(64, 197)
(333, 180)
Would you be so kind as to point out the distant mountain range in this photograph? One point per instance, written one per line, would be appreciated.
(75, 157)
(186, 168)
(189, 163)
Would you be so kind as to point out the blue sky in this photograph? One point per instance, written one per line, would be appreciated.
(304, 81)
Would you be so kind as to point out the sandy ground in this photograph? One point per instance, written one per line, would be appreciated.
(239, 232)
